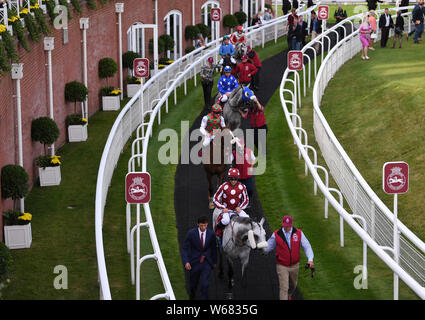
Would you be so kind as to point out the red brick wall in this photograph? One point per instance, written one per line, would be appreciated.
(102, 41)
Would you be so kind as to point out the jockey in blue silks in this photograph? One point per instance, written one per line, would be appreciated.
(226, 84)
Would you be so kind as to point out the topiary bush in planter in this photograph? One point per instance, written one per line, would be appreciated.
(204, 29)
(45, 131)
(14, 183)
(230, 21)
(191, 32)
(107, 68)
(75, 92)
(168, 42)
(128, 59)
(241, 16)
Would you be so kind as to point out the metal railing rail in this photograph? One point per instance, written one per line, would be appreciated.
(154, 94)
(375, 216)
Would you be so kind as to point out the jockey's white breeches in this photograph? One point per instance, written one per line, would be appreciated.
(226, 216)
(207, 140)
(224, 98)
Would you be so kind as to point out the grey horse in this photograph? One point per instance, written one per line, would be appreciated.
(240, 50)
(234, 108)
(240, 236)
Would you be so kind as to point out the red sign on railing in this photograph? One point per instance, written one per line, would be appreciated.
(137, 187)
(215, 14)
(141, 68)
(323, 13)
(295, 60)
(395, 177)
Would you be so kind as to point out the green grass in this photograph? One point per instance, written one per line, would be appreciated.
(385, 122)
(65, 236)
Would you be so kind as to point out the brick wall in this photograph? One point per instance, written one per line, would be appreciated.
(102, 41)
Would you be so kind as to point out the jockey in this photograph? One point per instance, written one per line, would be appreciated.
(226, 84)
(248, 95)
(212, 121)
(232, 198)
(238, 36)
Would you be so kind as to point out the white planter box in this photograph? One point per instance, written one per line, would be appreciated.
(77, 133)
(18, 237)
(132, 89)
(50, 176)
(110, 103)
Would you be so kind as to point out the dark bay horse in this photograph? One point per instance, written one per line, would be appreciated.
(216, 158)
(240, 236)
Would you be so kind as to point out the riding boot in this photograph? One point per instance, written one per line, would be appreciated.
(220, 225)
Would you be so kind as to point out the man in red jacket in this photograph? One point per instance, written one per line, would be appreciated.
(258, 121)
(255, 60)
(287, 242)
(243, 159)
(245, 70)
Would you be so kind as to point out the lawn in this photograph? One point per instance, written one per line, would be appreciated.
(385, 122)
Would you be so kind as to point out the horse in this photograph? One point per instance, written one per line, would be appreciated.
(240, 50)
(235, 108)
(215, 167)
(240, 236)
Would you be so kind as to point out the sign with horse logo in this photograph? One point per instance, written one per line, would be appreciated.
(141, 67)
(137, 187)
(396, 177)
(215, 14)
(323, 13)
(295, 60)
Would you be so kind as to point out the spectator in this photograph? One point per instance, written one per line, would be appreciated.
(340, 15)
(418, 18)
(310, 3)
(315, 29)
(255, 60)
(243, 159)
(268, 15)
(207, 75)
(286, 7)
(399, 28)
(226, 47)
(295, 35)
(291, 19)
(200, 42)
(304, 30)
(372, 23)
(371, 4)
(199, 255)
(295, 4)
(288, 241)
(385, 24)
(244, 71)
(256, 20)
(365, 30)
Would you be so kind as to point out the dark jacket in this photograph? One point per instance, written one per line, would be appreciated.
(319, 25)
(399, 23)
(340, 13)
(296, 32)
(382, 21)
(192, 251)
(286, 6)
(417, 14)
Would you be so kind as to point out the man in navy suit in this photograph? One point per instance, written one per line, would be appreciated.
(199, 255)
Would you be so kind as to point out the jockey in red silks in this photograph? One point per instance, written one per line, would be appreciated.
(238, 36)
(232, 198)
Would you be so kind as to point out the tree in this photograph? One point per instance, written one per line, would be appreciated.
(45, 131)
(75, 92)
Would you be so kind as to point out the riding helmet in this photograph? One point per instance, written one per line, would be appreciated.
(216, 108)
(227, 69)
(239, 28)
(233, 173)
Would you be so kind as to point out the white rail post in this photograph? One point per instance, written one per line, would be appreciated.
(396, 247)
(119, 8)
(49, 45)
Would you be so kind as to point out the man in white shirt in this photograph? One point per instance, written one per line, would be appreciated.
(385, 24)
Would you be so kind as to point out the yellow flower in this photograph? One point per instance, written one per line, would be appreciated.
(170, 61)
(55, 160)
(26, 216)
(116, 92)
(84, 119)
(139, 80)
(3, 28)
(160, 66)
(24, 11)
(36, 6)
(13, 19)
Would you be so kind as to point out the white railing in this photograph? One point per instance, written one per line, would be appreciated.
(377, 220)
(155, 94)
